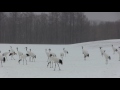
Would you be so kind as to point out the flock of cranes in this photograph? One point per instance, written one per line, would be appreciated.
(52, 57)
(22, 57)
(103, 53)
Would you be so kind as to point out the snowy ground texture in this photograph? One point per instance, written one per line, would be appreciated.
(74, 65)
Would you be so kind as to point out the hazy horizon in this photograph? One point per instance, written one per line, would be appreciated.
(101, 16)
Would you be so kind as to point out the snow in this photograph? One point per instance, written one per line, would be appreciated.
(74, 65)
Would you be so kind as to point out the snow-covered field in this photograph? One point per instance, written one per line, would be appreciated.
(74, 65)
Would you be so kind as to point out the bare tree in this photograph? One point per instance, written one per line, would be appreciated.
(54, 28)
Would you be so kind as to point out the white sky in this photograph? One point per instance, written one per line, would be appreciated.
(102, 16)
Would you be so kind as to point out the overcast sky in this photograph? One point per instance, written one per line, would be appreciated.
(102, 16)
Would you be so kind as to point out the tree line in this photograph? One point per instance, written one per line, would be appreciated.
(54, 28)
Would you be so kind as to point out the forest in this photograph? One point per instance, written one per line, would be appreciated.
(54, 28)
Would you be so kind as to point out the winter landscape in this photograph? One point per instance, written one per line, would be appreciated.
(59, 45)
(74, 65)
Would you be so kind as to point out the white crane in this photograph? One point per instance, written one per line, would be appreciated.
(102, 51)
(19, 53)
(56, 61)
(23, 57)
(106, 57)
(28, 52)
(85, 52)
(54, 55)
(47, 53)
(12, 53)
(114, 49)
(32, 55)
(2, 59)
(65, 51)
(5, 54)
(62, 55)
(118, 51)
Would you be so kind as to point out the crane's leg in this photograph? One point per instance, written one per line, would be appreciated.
(55, 67)
(19, 61)
(84, 57)
(59, 66)
(1, 63)
(29, 59)
(6, 58)
(52, 64)
(13, 57)
(23, 61)
(48, 64)
(26, 61)
(102, 54)
(119, 57)
(34, 59)
(106, 62)
(48, 59)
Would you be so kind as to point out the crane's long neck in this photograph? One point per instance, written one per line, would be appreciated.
(113, 47)
(46, 51)
(26, 48)
(17, 49)
(10, 47)
(82, 47)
